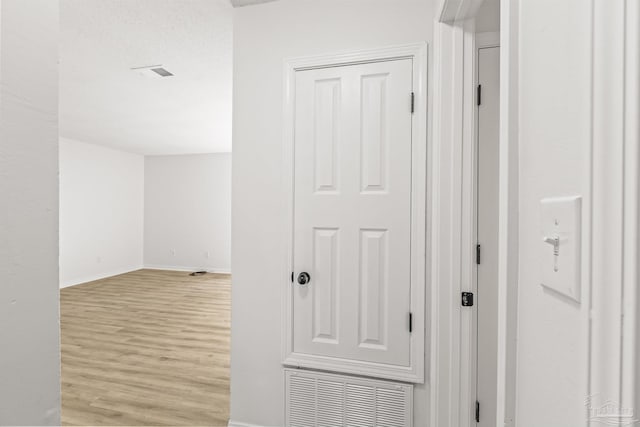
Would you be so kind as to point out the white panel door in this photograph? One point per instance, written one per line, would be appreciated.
(488, 169)
(352, 212)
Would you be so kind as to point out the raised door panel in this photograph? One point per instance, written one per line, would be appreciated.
(326, 129)
(374, 137)
(326, 286)
(374, 290)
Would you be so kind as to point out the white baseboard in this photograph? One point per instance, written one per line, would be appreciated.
(183, 268)
(239, 424)
(99, 276)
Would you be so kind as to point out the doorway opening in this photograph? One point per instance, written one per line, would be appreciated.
(145, 200)
(486, 76)
(487, 186)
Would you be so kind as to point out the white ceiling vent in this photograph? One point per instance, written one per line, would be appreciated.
(152, 71)
(315, 399)
(161, 72)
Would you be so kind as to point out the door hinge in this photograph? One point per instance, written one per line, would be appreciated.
(477, 411)
(413, 102)
(478, 254)
(467, 299)
(479, 97)
(410, 322)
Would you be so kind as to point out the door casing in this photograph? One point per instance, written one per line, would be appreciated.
(452, 260)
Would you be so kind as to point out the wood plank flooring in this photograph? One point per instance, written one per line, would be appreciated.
(146, 348)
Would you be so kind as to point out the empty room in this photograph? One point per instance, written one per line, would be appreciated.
(320, 213)
(145, 211)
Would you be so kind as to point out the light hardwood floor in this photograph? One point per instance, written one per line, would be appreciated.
(146, 348)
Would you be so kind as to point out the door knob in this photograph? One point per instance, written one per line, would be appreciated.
(303, 278)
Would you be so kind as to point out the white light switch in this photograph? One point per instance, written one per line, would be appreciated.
(560, 247)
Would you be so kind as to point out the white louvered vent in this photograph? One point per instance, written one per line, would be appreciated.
(315, 399)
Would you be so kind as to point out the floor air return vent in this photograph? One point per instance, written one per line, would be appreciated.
(316, 399)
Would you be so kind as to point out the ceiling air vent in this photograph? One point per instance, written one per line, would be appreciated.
(162, 72)
(153, 71)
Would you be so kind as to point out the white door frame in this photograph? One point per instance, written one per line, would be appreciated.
(614, 247)
(630, 369)
(508, 253)
(452, 366)
(453, 361)
(418, 53)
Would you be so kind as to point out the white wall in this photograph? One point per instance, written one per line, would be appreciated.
(554, 144)
(120, 212)
(571, 142)
(29, 321)
(188, 212)
(263, 37)
(101, 212)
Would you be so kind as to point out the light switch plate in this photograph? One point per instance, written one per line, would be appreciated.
(561, 218)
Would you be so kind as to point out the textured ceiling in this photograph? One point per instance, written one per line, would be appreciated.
(240, 3)
(103, 102)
